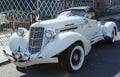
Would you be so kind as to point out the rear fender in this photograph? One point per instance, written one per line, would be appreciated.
(61, 42)
(109, 27)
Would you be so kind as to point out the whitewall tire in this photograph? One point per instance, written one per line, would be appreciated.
(73, 58)
(111, 37)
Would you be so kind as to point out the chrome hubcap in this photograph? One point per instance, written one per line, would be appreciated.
(76, 57)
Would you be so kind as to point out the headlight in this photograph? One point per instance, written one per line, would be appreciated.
(50, 33)
(21, 31)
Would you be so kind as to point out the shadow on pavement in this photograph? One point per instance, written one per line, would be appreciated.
(102, 61)
(46, 70)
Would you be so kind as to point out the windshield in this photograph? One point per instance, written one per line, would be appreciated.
(73, 13)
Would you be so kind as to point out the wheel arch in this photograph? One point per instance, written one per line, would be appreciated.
(109, 26)
(78, 41)
(110, 32)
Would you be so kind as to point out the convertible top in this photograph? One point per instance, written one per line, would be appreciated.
(83, 8)
(80, 8)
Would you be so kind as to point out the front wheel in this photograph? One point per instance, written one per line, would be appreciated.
(73, 58)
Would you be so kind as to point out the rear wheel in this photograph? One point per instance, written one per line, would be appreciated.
(73, 58)
(112, 37)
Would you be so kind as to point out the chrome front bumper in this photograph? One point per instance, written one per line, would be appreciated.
(13, 59)
(29, 61)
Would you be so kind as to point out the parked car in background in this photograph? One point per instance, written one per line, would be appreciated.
(114, 13)
(113, 10)
(69, 37)
(116, 7)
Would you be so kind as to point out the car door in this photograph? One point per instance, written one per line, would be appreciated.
(93, 28)
(90, 29)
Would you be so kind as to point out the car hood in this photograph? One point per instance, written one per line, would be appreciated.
(60, 22)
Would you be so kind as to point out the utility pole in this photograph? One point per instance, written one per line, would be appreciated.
(94, 3)
(72, 3)
(110, 2)
(65, 3)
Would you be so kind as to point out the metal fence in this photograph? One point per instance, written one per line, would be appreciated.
(16, 13)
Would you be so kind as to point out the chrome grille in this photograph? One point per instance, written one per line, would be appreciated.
(36, 39)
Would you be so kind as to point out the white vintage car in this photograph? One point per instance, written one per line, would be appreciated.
(69, 38)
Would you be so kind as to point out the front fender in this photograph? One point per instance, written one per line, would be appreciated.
(62, 41)
(109, 27)
(16, 42)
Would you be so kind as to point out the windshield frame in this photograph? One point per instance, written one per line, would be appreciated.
(68, 13)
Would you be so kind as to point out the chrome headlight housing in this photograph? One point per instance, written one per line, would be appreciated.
(50, 33)
(21, 31)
